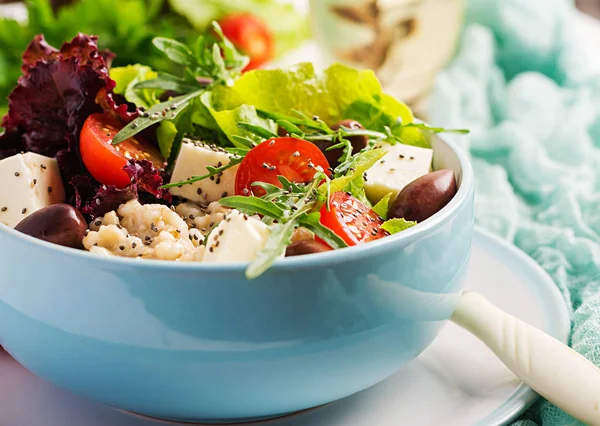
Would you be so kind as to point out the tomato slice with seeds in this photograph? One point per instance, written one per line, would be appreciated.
(105, 161)
(295, 159)
(352, 220)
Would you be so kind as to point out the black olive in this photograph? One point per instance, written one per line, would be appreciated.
(60, 224)
(424, 197)
(305, 247)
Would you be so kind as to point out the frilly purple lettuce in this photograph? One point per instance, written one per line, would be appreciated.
(58, 90)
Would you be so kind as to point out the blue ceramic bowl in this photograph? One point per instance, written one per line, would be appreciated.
(198, 341)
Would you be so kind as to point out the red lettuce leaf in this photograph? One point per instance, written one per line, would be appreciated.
(58, 90)
(50, 103)
(94, 199)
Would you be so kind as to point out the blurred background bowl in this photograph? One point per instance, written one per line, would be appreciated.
(406, 42)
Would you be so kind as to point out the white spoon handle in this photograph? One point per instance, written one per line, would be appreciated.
(550, 368)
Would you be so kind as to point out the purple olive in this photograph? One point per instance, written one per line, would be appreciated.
(60, 224)
(357, 142)
(425, 196)
(305, 247)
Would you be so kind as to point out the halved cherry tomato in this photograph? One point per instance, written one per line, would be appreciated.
(251, 36)
(351, 219)
(104, 161)
(295, 159)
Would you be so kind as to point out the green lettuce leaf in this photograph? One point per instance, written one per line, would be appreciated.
(393, 226)
(338, 92)
(165, 134)
(382, 207)
(228, 119)
(357, 188)
(129, 76)
(287, 25)
(362, 162)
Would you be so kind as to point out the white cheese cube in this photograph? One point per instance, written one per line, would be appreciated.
(28, 183)
(193, 159)
(400, 166)
(237, 238)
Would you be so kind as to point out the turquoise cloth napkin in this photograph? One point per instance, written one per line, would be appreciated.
(520, 83)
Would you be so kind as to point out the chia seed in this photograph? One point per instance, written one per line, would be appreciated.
(224, 194)
(49, 190)
(199, 191)
(121, 248)
(17, 174)
(35, 181)
(23, 211)
(4, 209)
(43, 166)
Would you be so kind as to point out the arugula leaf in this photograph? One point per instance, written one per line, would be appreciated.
(259, 131)
(253, 205)
(174, 50)
(280, 238)
(393, 226)
(167, 82)
(212, 171)
(159, 112)
(423, 126)
(312, 222)
(382, 207)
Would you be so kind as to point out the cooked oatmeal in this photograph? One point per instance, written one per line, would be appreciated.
(150, 231)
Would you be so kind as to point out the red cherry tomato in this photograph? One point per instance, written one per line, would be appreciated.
(295, 159)
(251, 36)
(104, 161)
(351, 219)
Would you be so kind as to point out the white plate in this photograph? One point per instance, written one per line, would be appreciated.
(456, 381)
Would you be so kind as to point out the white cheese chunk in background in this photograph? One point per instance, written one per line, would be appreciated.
(237, 238)
(400, 166)
(28, 183)
(193, 160)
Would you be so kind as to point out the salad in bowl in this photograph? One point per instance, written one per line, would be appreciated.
(212, 165)
(136, 205)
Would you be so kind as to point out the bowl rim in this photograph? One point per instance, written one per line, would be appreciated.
(348, 254)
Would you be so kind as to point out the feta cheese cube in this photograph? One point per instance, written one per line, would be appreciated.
(193, 160)
(400, 166)
(237, 238)
(28, 183)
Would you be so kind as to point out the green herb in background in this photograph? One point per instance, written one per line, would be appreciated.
(127, 27)
(283, 21)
